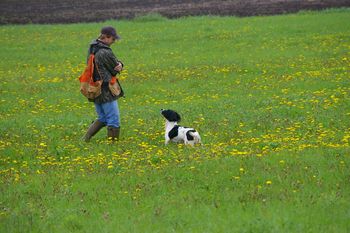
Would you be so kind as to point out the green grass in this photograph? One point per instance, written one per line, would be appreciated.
(270, 97)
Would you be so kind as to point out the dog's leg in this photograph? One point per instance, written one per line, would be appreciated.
(185, 141)
(198, 139)
(166, 137)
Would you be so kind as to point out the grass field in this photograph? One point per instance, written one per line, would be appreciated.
(270, 97)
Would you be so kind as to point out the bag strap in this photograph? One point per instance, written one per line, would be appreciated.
(92, 57)
(98, 70)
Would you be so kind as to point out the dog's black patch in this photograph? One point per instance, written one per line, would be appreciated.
(174, 132)
(189, 136)
(171, 115)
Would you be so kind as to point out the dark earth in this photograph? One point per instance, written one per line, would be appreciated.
(73, 11)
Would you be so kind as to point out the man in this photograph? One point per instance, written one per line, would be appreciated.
(106, 66)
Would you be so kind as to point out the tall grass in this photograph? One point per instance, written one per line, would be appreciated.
(269, 96)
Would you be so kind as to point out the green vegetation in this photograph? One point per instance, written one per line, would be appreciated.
(270, 97)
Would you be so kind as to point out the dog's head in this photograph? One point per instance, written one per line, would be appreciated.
(170, 115)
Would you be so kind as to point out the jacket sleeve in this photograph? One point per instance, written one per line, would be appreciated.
(110, 62)
(106, 61)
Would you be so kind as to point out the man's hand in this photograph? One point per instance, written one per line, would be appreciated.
(118, 67)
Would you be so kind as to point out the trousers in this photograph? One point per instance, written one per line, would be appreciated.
(108, 113)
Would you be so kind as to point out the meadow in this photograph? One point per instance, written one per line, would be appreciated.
(270, 97)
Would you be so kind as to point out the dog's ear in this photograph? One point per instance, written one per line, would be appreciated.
(177, 117)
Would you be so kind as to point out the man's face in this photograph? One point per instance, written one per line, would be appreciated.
(110, 40)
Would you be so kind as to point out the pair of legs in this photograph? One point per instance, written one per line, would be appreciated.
(108, 115)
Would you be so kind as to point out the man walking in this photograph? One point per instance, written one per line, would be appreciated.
(106, 66)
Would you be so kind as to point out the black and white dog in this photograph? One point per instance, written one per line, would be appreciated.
(177, 133)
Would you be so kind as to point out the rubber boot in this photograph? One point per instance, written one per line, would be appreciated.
(93, 129)
(113, 133)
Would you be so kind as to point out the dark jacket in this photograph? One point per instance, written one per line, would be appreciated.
(105, 61)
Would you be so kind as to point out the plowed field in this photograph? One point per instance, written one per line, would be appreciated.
(68, 11)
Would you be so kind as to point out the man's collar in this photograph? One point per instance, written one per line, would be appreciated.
(103, 43)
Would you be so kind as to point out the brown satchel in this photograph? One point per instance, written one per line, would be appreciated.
(116, 88)
(88, 87)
